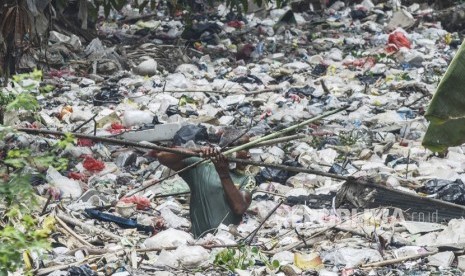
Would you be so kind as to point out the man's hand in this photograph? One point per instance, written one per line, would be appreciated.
(238, 200)
(153, 153)
(218, 159)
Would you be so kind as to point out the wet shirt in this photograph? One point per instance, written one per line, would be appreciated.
(208, 205)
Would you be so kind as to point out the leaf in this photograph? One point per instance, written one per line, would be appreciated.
(93, 11)
(15, 162)
(245, 5)
(446, 111)
(24, 101)
(142, 6)
(275, 264)
(118, 4)
(106, 8)
(254, 250)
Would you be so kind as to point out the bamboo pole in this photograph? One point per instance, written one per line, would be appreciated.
(286, 130)
(189, 153)
(279, 140)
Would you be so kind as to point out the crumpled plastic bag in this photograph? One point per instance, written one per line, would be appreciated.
(67, 187)
(188, 133)
(191, 256)
(93, 165)
(141, 202)
(276, 175)
(451, 191)
(398, 40)
(168, 238)
(351, 257)
(83, 270)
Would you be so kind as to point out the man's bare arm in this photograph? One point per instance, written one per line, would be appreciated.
(173, 161)
(238, 201)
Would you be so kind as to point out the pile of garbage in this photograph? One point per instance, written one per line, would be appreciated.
(167, 83)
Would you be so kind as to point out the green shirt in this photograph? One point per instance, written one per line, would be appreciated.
(209, 206)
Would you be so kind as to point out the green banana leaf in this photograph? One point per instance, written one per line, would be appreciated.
(446, 112)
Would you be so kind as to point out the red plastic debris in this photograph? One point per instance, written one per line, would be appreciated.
(294, 97)
(236, 24)
(75, 175)
(82, 142)
(366, 63)
(93, 165)
(396, 41)
(266, 114)
(116, 128)
(141, 202)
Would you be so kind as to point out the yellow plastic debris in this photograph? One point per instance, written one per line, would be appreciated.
(308, 261)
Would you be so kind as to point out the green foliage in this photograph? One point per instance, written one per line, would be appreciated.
(25, 101)
(6, 98)
(20, 158)
(19, 232)
(68, 139)
(349, 138)
(242, 258)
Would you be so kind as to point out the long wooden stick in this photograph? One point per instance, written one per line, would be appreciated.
(254, 232)
(398, 260)
(180, 151)
(107, 140)
(48, 270)
(74, 234)
(91, 228)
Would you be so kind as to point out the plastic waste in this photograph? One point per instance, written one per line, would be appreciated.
(125, 209)
(284, 257)
(305, 91)
(320, 70)
(352, 257)
(142, 203)
(276, 175)
(83, 270)
(441, 259)
(168, 238)
(172, 220)
(93, 165)
(123, 222)
(358, 14)
(146, 68)
(398, 40)
(107, 96)
(126, 159)
(191, 256)
(188, 133)
(136, 117)
(308, 261)
(67, 187)
(451, 191)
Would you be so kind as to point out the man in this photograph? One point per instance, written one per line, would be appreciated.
(218, 194)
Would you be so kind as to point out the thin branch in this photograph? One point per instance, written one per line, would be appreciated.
(74, 234)
(398, 260)
(254, 232)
